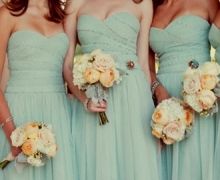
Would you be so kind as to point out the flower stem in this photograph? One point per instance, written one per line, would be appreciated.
(4, 163)
(103, 119)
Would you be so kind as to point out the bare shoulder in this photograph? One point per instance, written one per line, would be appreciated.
(6, 16)
(73, 6)
(146, 7)
(4, 12)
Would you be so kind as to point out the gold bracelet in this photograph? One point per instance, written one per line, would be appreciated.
(6, 121)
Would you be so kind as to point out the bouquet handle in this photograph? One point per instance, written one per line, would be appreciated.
(103, 119)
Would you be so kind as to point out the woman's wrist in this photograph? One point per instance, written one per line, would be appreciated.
(155, 84)
(8, 127)
(4, 122)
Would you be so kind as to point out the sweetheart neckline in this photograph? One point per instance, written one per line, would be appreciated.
(37, 33)
(178, 19)
(111, 16)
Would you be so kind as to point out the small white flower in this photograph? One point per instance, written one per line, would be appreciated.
(35, 161)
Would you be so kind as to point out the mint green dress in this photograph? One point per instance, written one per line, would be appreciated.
(123, 149)
(214, 37)
(35, 92)
(183, 40)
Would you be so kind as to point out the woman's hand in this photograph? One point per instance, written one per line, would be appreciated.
(161, 94)
(15, 151)
(101, 106)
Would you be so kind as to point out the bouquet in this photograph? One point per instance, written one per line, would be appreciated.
(95, 73)
(172, 121)
(198, 85)
(37, 143)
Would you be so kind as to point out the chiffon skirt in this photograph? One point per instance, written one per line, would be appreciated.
(192, 158)
(123, 149)
(49, 107)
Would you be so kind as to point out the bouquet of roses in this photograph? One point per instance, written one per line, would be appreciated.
(37, 143)
(198, 85)
(95, 73)
(172, 121)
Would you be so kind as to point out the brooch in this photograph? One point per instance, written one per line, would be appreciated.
(130, 65)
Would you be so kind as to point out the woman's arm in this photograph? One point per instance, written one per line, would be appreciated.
(6, 121)
(143, 38)
(152, 66)
(70, 26)
(158, 90)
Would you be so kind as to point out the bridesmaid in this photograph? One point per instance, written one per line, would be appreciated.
(214, 37)
(123, 149)
(179, 34)
(35, 43)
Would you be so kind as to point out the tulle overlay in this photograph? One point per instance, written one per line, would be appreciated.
(124, 148)
(35, 92)
(176, 46)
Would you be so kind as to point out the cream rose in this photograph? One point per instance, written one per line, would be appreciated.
(91, 75)
(18, 137)
(206, 99)
(211, 68)
(192, 101)
(168, 141)
(47, 137)
(103, 62)
(191, 84)
(208, 81)
(175, 130)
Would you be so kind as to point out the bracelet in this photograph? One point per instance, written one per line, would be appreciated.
(6, 121)
(154, 85)
(85, 103)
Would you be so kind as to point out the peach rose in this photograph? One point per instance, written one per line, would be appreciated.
(160, 116)
(29, 148)
(91, 75)
(208, 81)
(174, 130)
(107, 78)
(189, 116)
(206, 99)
